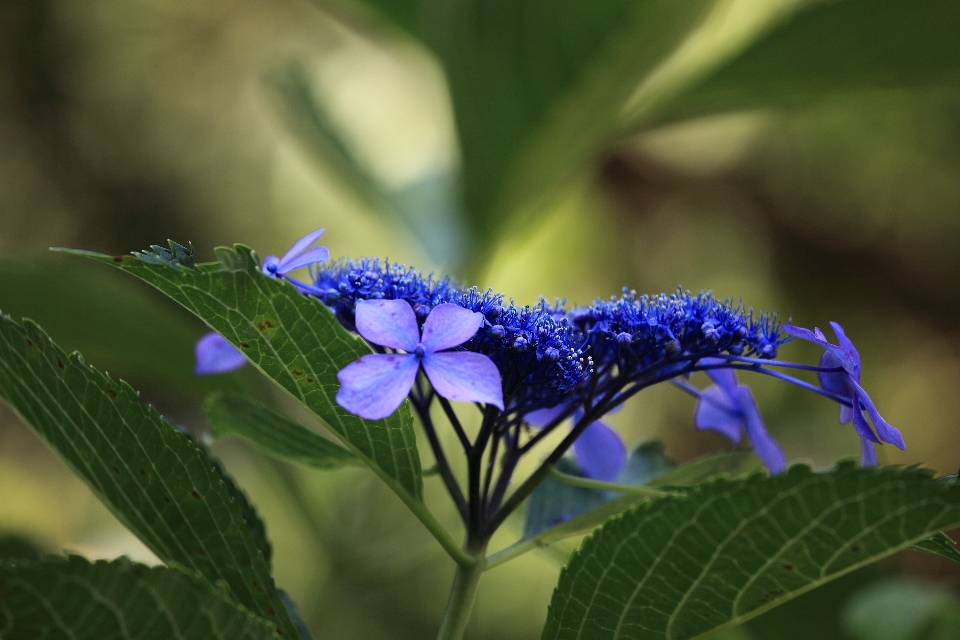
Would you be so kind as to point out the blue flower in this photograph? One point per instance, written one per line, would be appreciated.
(842, 378)
(729, 409)
(213, 354)
(534, 347)
(297, 257)
(375, 385)
(630, 334)
(598, 450)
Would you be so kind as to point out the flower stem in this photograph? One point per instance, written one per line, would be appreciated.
(462, 594)
(587, 483)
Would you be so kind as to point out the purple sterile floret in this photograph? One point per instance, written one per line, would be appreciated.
(375, 385)
(214, 355)
(298, 257)
(840, 376)
(729, 409)
(599, 451)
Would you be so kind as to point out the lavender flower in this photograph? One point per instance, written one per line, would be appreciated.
(599, 451)
(213, 354)
(842, 379)
(729, 409)
(375, 385)
(297, 257)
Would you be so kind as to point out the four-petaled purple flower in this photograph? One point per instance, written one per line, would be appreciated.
(213, 354)
(845, 383)
(729, 409)
(599, 451)
(375, 385)
(297, 257)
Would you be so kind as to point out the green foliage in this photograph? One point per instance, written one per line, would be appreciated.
(834, 47)
(296, 342)
(72, 598)
(902, 609)
(537, 86)
(556, 510)
(152, 477)
(940, 544)
(176, 256)
(124, 327)
(275, 434)
(555, 502)
(690, 565)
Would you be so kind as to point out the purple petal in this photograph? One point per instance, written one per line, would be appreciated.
(600, 452)
(542, 417)
(846, 414)
(806, 334)
(860, 424)
(868, 456)
(448, 326)
(389, 323)
(313, 256)
(464, 376)
(375, 385)
(215, 355)
(716, 411)
(886, 431)
(271, 265)
(836, 382)
(845, 343)
(301, 244)
(765, 446)
(817, 337)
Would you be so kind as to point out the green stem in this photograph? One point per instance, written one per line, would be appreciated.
(462, 594)
(587, 483)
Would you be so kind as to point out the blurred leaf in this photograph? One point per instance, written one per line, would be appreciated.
(296, 342)
(896, 609)
(72, 598)
(428, 206)
(274, 433)
(313, 125)
(294, 612)
(733, 464)
(538, 86)
(941, 544)
(691, 565)
(555, 502)
(15, 546)
(151, 477)
(646, 463)
(118, 324)
(556, 514)
(833, 47)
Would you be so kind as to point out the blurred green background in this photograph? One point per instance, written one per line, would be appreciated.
(807, 162)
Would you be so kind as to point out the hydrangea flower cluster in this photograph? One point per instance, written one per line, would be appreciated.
(542, 366)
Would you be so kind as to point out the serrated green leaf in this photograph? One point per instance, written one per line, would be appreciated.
(830, 48)
(274, 433)
(940, 544)
(74, 599)
(691, 565)
(255, 526)
(296, 342)
(537, 86)
(152, 477)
